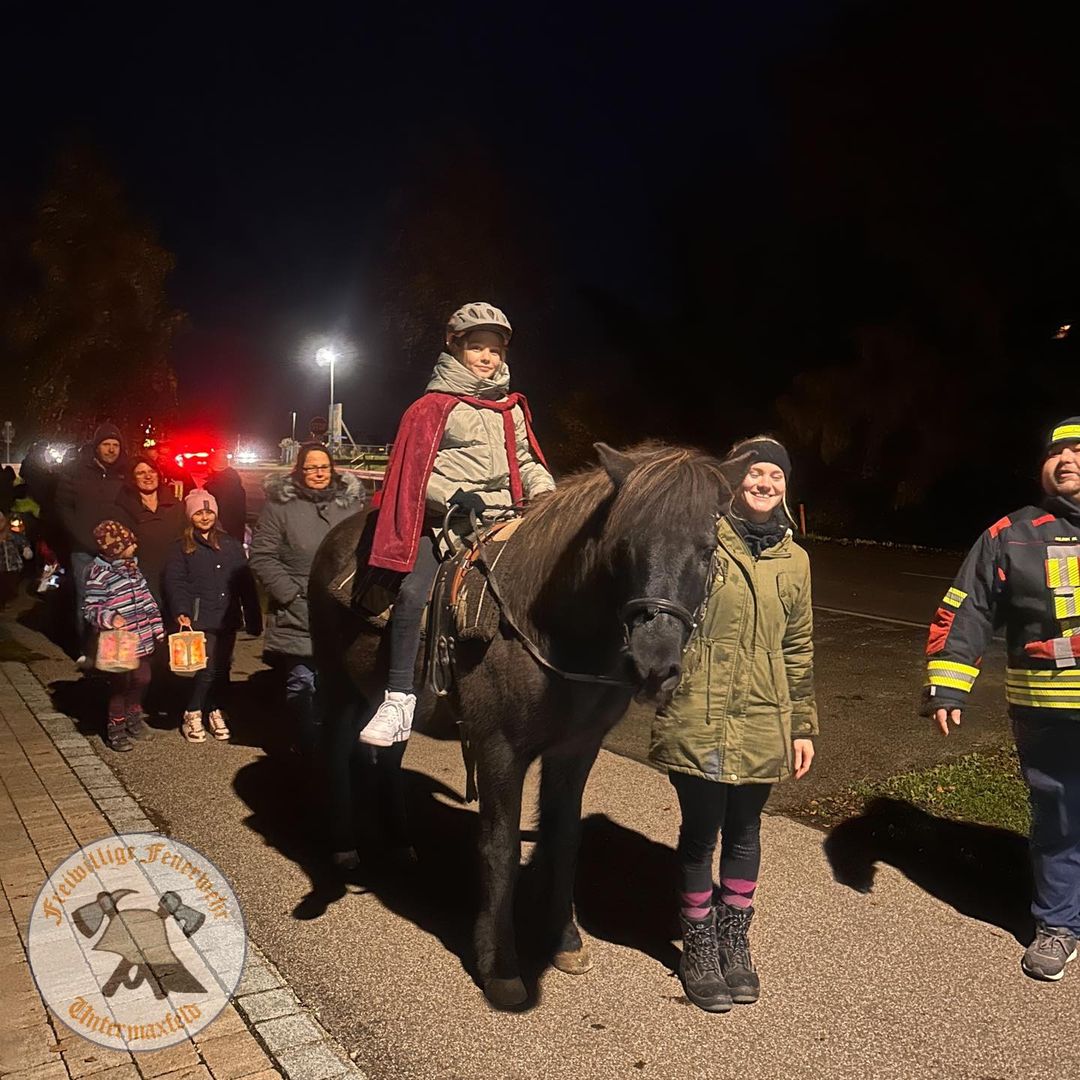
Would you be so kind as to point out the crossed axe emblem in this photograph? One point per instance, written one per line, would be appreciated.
(139, 936)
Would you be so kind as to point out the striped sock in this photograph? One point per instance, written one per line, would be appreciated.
(695, 905)
(737, 892)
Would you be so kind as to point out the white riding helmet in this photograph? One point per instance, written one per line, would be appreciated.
(478, 316)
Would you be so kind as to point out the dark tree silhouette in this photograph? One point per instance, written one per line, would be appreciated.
(92, 335)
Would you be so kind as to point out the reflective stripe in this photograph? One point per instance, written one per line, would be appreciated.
(949, 673)
(955, 666)
(955, 684)
(954, 597)
(1072, 693)
(1016, 697)
(1044, 688)
(1062, 571)
(1066, 604)
(1064, 656)
(1066, 431)
(1041, 676)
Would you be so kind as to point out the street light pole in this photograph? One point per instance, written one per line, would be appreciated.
(327, 356)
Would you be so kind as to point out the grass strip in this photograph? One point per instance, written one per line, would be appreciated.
(984, 786)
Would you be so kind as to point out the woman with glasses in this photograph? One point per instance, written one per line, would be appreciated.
(301, 508)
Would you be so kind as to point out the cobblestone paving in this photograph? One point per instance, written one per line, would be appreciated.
(56, 794)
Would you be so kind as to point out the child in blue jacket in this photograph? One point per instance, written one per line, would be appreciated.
(209, 587)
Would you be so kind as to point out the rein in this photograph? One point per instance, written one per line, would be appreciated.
(651, 606)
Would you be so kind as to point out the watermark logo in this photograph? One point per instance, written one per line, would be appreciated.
(137, 942)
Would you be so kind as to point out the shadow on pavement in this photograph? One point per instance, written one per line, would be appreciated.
(53, 616)
(641, 912)
(255, 709)
(980, 870)
(439, 892)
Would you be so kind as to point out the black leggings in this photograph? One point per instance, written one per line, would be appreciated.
(209, 686)
(409, 606)
(709, 809)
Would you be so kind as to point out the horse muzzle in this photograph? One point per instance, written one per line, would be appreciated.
(656, 630)
(656, 655)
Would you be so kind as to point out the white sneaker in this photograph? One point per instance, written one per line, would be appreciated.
(392, 721)
(218, 728)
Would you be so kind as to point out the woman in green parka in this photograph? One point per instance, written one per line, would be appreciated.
(742, 719)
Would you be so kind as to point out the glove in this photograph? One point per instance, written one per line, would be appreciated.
(469, 500)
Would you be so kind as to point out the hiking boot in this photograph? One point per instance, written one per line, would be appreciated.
(218, 728)
(117, 737)
(392, 722)
(1048, 954)
(137, 727)
(733, 944)
(192, 727)
(699, 965)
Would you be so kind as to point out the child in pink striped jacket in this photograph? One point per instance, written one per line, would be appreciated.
(118, 598)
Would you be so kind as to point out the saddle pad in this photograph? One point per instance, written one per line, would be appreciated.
(476, 615)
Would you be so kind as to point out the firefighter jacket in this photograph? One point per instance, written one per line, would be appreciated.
(1023, 575)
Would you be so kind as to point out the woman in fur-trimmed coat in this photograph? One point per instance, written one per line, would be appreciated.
(301, 508)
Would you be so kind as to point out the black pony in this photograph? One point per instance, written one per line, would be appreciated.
(601, 579)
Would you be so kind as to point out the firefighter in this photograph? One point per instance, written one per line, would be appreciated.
(1023, 574)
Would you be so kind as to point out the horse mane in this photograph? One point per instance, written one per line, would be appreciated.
(665, 484)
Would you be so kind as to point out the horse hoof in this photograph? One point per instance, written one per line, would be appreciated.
(505, 993)
(573, 963)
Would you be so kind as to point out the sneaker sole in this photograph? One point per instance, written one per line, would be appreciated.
(1048, 978)
(371, 740)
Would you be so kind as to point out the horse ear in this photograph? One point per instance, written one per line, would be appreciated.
(617, 466)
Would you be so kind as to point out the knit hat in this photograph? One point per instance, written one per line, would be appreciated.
(199, 499)
(113, 538)
(106, 431)
(1065, 431)
(752, 451)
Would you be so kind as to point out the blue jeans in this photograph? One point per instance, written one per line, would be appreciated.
(301, 700)
(1048, 742)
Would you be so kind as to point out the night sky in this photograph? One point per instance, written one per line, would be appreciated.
(683, 210)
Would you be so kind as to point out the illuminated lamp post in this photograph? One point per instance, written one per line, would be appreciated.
(324, 357)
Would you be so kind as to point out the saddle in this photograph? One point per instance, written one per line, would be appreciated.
(460, 606)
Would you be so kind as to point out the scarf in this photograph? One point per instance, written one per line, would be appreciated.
(401, 503)
(759, 536)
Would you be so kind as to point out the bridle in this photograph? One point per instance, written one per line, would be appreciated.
(650, 607)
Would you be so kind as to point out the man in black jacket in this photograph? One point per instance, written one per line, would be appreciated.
(1023, 574)
(86, 496)
(225, 485)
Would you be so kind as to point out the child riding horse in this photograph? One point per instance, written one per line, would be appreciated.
(467, 442)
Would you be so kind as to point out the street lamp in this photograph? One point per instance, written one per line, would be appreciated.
(325, 356)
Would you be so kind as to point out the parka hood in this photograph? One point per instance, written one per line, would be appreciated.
(345, 489)
(451, 376)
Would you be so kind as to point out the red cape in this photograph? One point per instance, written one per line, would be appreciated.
(402, 503)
